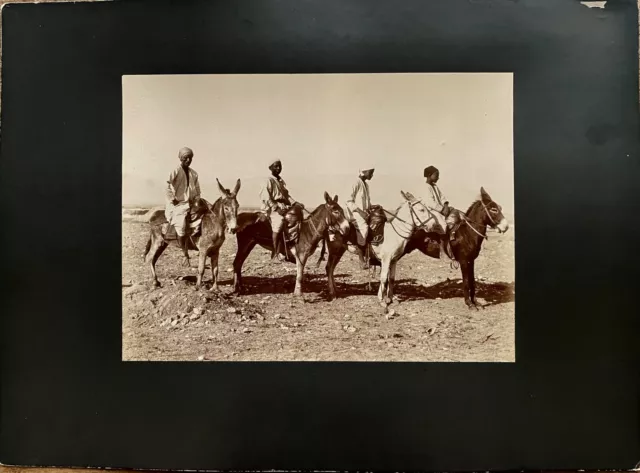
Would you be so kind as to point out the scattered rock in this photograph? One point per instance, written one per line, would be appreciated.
(284, 327)
(206, 322)
(246, 301)
(246, 330)
(347, 316)
(174, 323)
(397, 335)
(277, 316)
(201, 357)
(198, 311)
(232, 310)
(135, 289)
(431, 331)
(194, 317)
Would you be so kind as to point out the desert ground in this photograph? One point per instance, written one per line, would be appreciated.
(428, 322)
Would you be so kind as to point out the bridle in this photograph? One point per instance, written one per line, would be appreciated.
(414, 217)
(330, 226)
(468, 221)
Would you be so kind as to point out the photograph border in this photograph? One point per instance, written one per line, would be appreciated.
(569, 402)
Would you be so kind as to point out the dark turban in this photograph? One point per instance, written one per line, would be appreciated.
(429, 170)
(185, 153)
(273, 163)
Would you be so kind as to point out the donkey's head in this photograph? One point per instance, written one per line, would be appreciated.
(493, 213)
(335, 215)
(418, 213)
(230, 205)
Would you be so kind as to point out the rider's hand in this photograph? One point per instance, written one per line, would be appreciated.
(174, 201)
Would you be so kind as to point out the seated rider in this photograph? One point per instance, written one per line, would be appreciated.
(435, 200)
(182, 194)
(359, 205)
(279, 206)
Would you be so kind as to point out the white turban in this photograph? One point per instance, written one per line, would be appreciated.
(365, 168)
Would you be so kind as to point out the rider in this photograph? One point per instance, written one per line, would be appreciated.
(278, 205)
(437, 202)
(359, 204)
(183, 191)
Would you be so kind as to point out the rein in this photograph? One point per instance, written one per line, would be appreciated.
(315, 229)
(468, 221)
(414, 217)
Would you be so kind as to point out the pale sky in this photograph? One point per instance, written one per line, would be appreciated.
(323, 127)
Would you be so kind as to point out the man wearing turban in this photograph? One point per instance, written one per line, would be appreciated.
(183, 191)
(359, 204)
(278, 205)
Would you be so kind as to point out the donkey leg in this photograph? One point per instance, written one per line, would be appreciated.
(384, 278)
(299, 275)
(472, 284)
(202, 259)
(244, 249)
(464, 268)
(214, 269)
(157, 248)
(332, 262)
(392, 280)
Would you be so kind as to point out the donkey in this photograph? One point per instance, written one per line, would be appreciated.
(217, 218)
(409, 217)
(465, 247)
(254, 229)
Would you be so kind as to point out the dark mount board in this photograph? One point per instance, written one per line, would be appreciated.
(571, 399)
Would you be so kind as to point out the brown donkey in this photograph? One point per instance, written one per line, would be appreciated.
(217, 218)
(256, 230)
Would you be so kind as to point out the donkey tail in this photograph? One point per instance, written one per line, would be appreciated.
(322, 252)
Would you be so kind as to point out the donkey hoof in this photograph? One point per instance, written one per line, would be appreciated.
(156, 283)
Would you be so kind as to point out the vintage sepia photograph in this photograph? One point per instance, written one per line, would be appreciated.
(318, 217)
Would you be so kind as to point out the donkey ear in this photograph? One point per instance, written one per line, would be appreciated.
(327, 197)
(484, 195)
(236, 189)
(335, 199)
(404, 196)
(223, 191)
